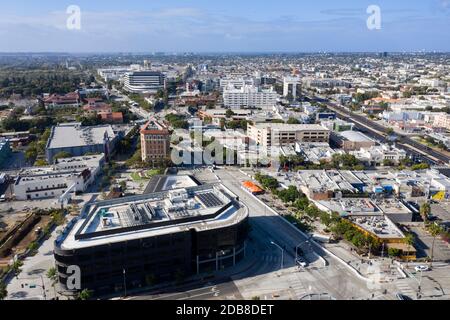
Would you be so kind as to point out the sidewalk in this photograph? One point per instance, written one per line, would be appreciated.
(33, 272)
(379, 268)
(242, 266)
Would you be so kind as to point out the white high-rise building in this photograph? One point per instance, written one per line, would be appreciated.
(290, 83)
(237, 83)
(144, 81)
(249, 97)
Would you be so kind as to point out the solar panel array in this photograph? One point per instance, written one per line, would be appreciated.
(209, 200)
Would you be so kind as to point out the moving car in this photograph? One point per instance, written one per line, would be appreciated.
(422, 268)
(302, 262)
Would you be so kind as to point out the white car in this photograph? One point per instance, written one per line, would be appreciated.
(301, 262)
(422, 268)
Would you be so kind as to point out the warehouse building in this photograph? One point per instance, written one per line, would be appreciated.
(78, 140)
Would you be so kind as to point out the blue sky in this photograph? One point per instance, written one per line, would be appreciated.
(231, 25)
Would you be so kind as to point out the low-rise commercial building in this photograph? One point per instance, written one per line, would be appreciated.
(76, 174)
(352, 140)
(279, 134)
(316, 152)
(380, 155)
(78, 140)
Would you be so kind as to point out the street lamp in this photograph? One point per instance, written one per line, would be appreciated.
(282, 253)
(125, 282)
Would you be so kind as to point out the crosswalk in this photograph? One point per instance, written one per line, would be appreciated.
(298, 288)
(270, 258)
(405, 288)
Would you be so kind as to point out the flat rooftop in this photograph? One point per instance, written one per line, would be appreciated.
(290, 127)
(355, 136)
(160, 183)
(67, 167)
(201, 207)
(392, 206)
(75, 135)
(351, 206)
(380, 226)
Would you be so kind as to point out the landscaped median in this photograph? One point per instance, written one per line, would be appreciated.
(145, 175)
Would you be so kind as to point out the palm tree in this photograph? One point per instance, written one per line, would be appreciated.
(425, 211)
(53, 276)
(409, 240)
(434, 230)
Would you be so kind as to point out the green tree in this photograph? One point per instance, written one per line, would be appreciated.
(3, 291)
(292, 120)
(85, 294)
(229, 113)
(52, 274)
(291, 194)
(409, 239)
(394, 252)
(62, 155)
(434, 231)
(425, 211)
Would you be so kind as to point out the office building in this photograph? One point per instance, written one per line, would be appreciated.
(249, 97)
(237, 83)
(144, 81)
(279, 134)
(150, 239)
(290, 86)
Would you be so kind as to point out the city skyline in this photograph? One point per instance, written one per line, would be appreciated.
(199, 26)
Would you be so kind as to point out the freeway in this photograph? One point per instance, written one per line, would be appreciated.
(380, 133)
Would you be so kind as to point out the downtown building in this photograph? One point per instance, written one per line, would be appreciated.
(144, 81)
(155, 142)
(152, 238)
(249, 97)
